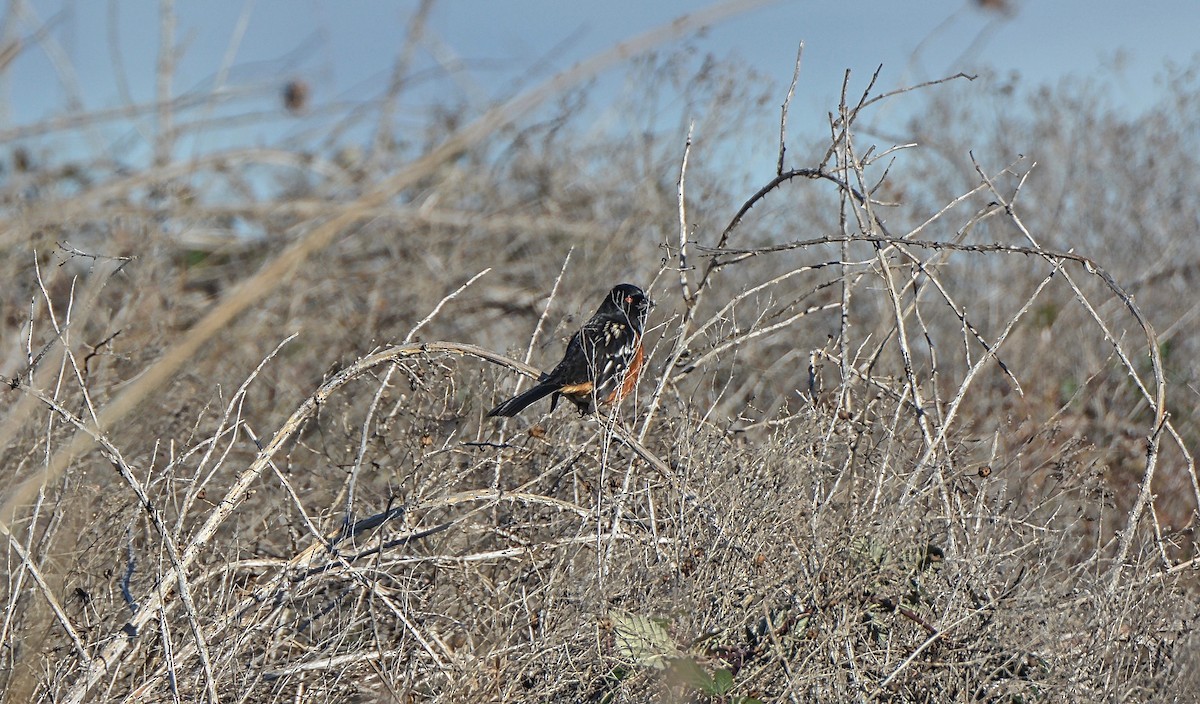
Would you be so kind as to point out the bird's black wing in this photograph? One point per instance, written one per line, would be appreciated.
(609, 347)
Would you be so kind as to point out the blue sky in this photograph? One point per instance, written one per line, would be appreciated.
(345, 49)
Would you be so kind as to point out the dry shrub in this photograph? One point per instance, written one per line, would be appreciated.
(847, 475)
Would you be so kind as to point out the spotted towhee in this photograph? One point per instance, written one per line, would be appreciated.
(602, 360)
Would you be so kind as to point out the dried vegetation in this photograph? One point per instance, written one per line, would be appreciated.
(905, 436)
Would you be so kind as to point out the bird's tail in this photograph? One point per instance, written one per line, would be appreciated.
(521, 401)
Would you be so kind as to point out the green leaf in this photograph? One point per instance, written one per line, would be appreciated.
(722, 681)
(689, 672)
(643, 640)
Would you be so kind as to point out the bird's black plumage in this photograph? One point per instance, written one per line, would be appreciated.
(601, 361)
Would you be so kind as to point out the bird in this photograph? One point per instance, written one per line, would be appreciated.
(602, 361)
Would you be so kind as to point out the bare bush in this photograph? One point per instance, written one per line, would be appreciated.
(897, 451)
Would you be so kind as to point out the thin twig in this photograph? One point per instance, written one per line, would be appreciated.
(445, 299)
(683, 227)
(165, 132)
(783, 110)
(537, 329)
